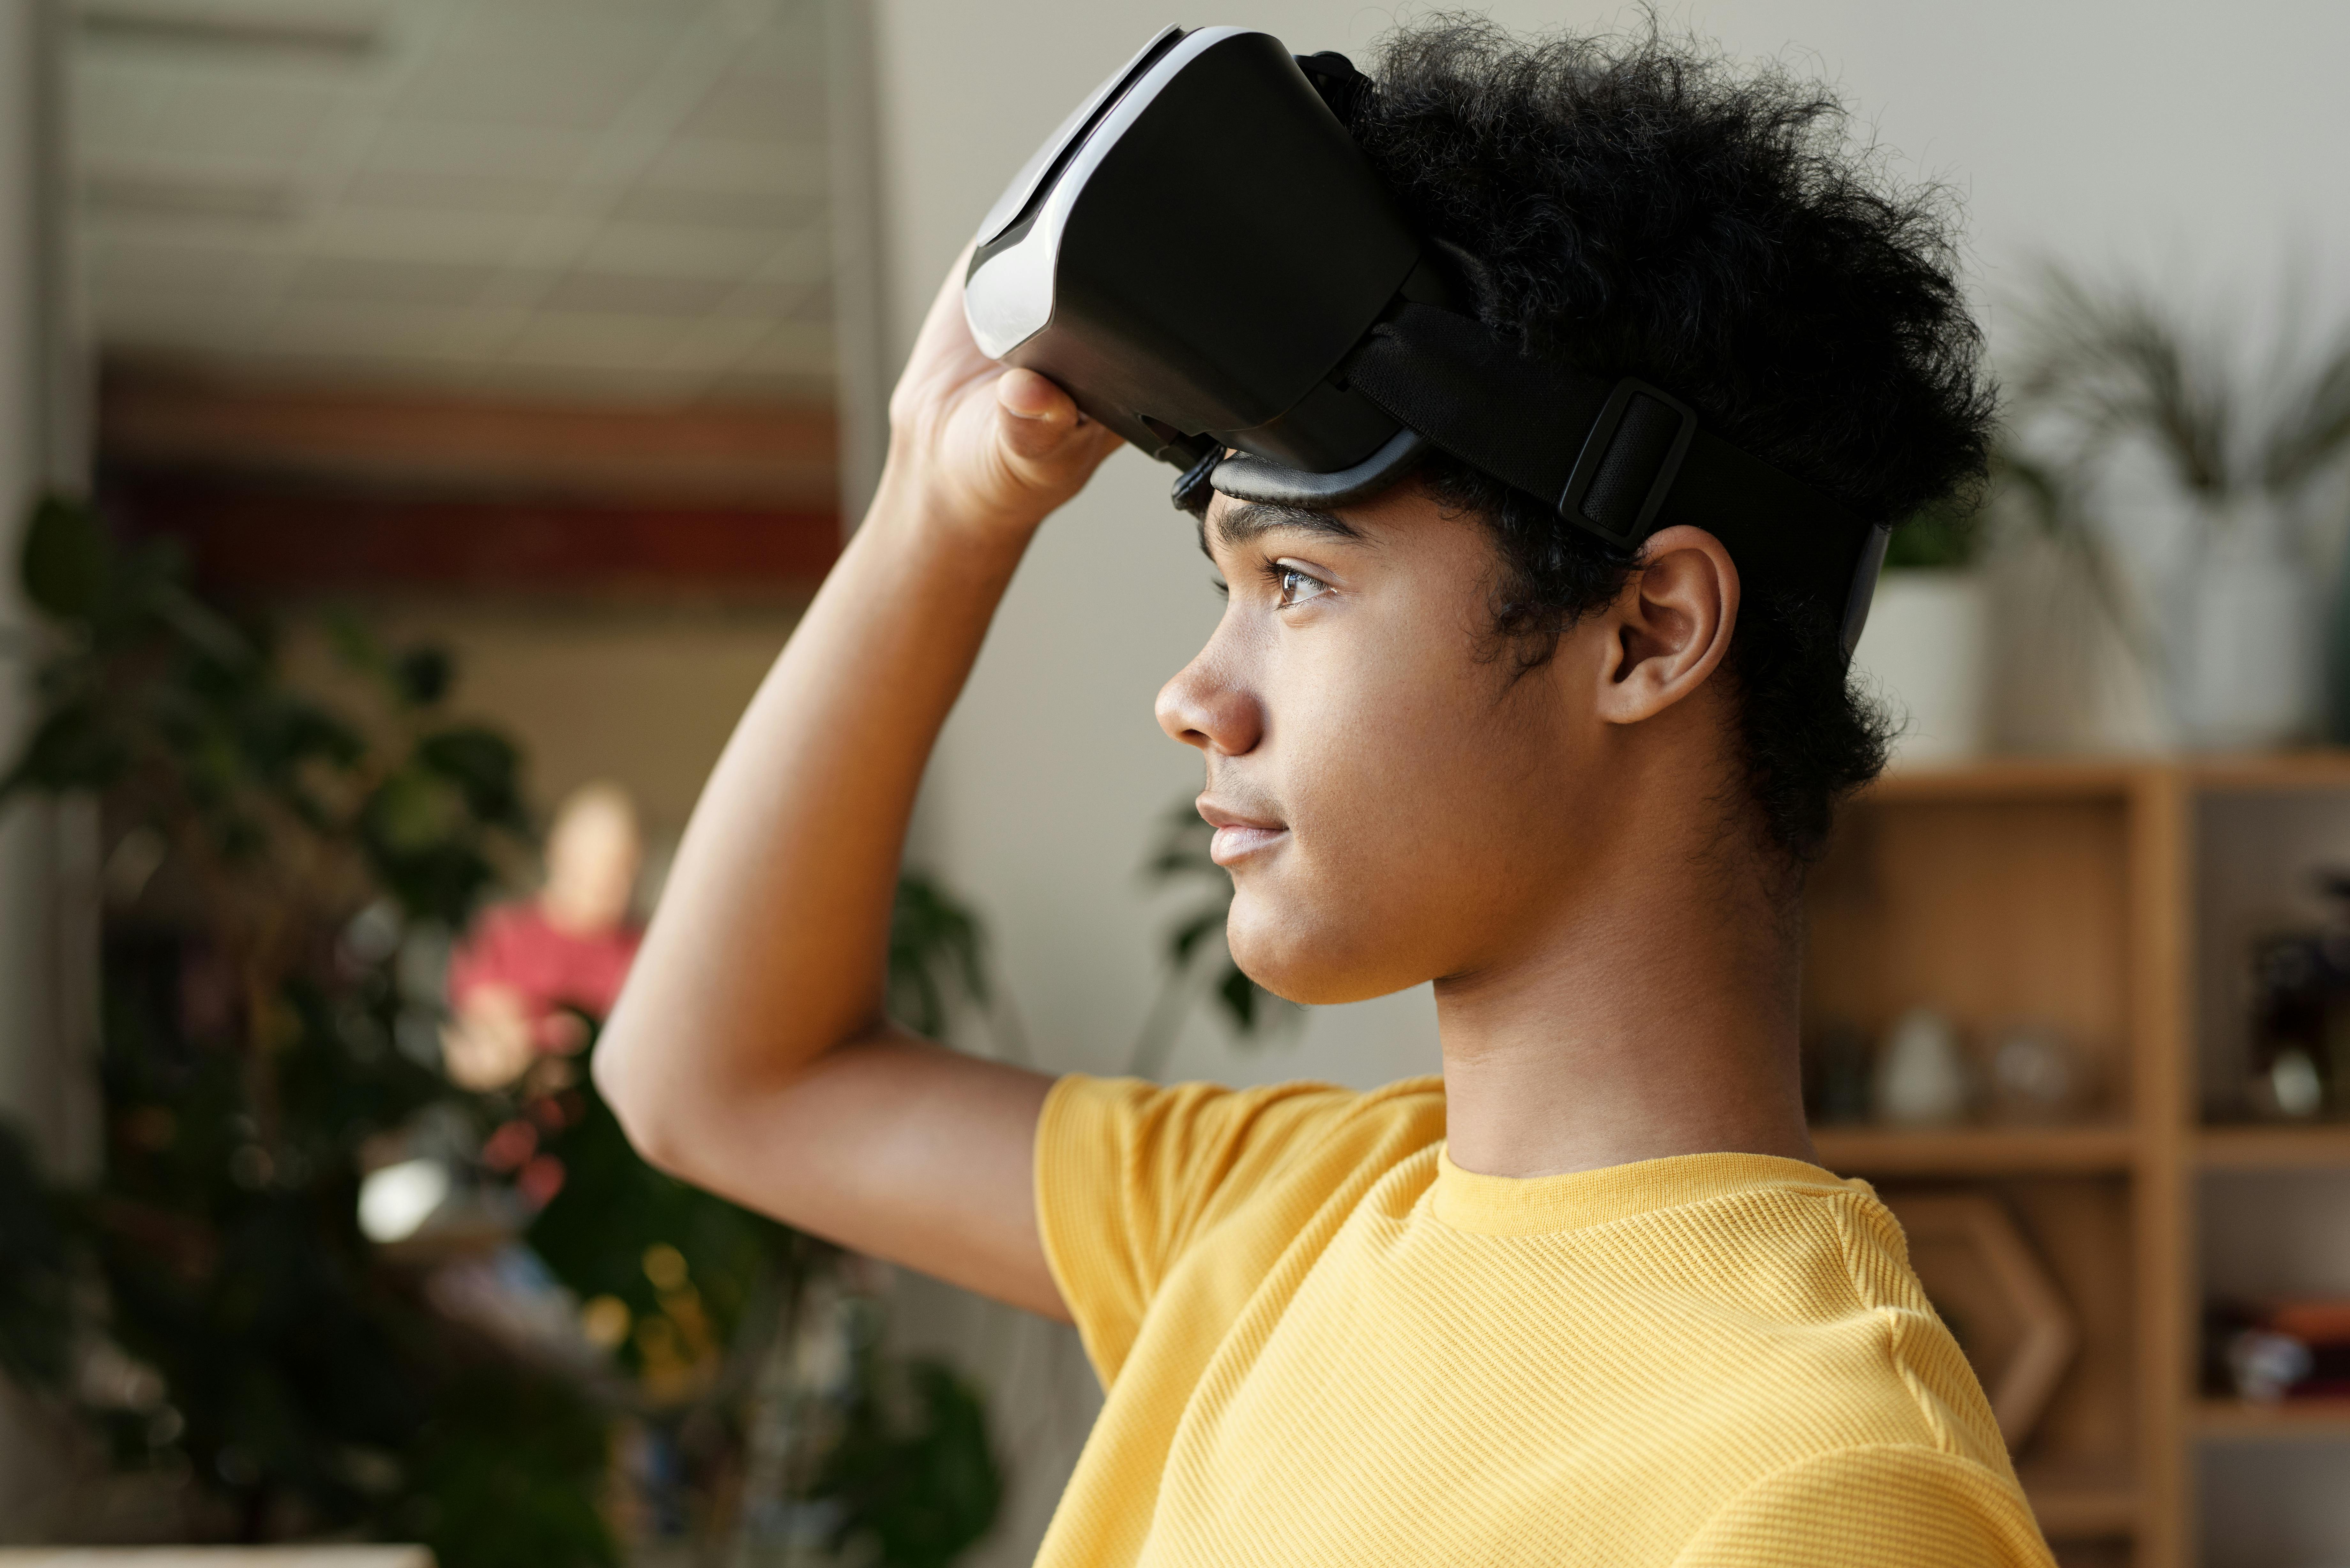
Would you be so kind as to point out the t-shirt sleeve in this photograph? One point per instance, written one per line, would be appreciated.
(1132, 1176)
(1890, 1506)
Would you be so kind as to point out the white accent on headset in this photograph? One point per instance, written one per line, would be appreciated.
(1010, 298)
(1024, 185)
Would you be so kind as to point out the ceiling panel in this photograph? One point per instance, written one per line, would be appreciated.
(616, 198)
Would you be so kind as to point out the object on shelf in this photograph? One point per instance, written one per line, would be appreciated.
(1921, 1078)
(1995, 1298)
(2247, 663)
(2037, 1076)
(2300, 1050)
(2263, 1366)
(2285, 1349)
(2296, 1090)
(1924, 655)
(1836, 1077)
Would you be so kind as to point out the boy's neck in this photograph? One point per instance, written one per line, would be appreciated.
(1654, 1016)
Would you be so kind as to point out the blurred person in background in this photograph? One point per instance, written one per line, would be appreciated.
(527, 970)
(1589, 1299)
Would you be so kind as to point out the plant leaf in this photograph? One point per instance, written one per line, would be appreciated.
(423, 675)
(1239, 994)
(75, 748)
(1188, 934)
(68, 562)
(483, 766)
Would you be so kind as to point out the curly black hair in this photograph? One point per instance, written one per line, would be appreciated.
(1632, 205)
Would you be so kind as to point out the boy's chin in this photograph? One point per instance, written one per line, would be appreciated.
(1312, 962)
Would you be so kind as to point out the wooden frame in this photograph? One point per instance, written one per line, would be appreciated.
(2069, 889)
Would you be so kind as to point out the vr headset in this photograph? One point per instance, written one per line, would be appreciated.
(1205, 260)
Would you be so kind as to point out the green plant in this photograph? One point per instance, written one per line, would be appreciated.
(2106, 364)
(2108, 371)
(1179, 858)
(278, 863)
(707, 1290)
(1943, 535)
(36, 1293)
(936, 952)
(249, 1054)
(910, 1470)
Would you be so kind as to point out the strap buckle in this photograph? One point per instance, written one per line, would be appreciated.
(1628, 463)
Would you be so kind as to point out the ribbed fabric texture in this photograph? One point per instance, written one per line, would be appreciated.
(1324, 1343)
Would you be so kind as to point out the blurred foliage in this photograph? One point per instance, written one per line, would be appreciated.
(249, 1053)
(936, 953)
(1943, 535)
(613, 1209)
(510, 1472)
(286, 813)
(276, 867)
(2108, 367)
(1196, 958)
(2109, 362)
(36, 1297)
(912, 1469)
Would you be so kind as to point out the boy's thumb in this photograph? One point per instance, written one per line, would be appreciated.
(1037, 416)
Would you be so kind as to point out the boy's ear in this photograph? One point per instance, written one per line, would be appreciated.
(1669, 630)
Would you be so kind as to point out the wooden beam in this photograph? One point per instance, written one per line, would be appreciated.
(259, 543)
(2162, 896)
(730, 454)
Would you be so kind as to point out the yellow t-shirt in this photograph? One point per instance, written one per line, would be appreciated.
(1324, 1343)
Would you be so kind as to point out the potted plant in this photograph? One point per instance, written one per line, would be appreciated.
(1924, 653)
(2115, 390)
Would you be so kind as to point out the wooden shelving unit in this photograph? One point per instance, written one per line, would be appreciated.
(2273, 1149)
(2073, 893)
(2226, 1420)
(2088, 1501)
(1977, 1151)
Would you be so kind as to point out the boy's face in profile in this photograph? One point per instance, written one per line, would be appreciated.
(1394, 802)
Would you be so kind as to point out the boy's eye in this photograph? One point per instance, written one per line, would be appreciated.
(1296, 587)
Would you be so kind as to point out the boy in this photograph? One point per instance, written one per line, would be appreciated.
(1587, 1299)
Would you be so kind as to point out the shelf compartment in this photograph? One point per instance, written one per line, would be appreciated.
(2325, 1148)
(2240, 1420)
(2000, 911)
(1975, 1151)
(2088, 778)
(2080, 1501)
(2008, 779)
(2272, 773)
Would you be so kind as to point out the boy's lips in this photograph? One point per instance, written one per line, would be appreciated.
(1238, 834)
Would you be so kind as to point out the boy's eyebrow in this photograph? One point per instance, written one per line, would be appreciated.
(1239, 524)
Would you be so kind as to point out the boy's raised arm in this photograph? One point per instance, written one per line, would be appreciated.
(749, 1053)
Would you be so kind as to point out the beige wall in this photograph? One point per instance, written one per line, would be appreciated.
(644, 695)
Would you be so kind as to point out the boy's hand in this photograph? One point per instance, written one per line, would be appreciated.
(985, 446)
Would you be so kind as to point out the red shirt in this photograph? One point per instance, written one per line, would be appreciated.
(512, 945)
